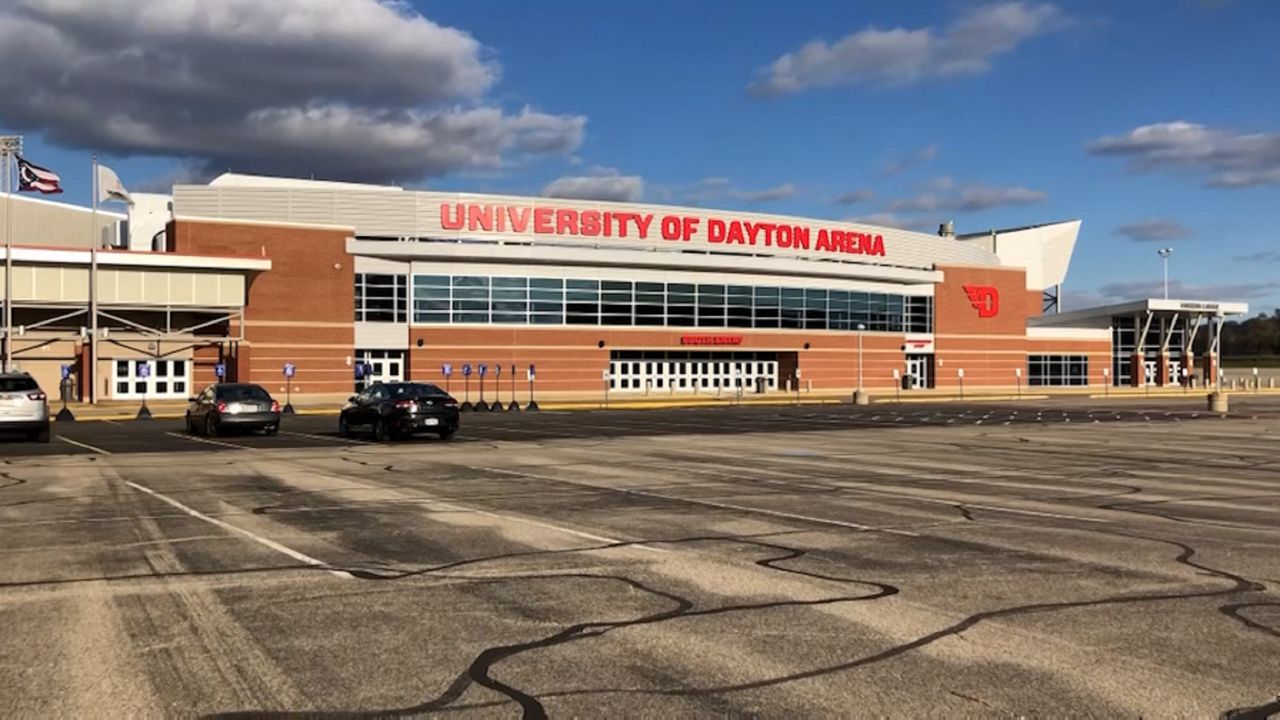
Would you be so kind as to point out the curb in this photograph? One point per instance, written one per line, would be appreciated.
(955, 398)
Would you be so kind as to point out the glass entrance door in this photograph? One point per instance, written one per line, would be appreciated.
(919, 372)
(160, 379)
(383, 366)
(692, 375)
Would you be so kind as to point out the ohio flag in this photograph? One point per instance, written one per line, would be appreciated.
(33, 178)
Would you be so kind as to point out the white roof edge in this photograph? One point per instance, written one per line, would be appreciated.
(138, 259)
(231, 179)
(533, 255)
(1206, 307)
(65, 206)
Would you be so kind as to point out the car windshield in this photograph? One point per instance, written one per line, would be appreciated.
(411, 390)
(17, 384)
(242, 392)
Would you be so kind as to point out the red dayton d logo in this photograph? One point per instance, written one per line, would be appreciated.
(985, 299)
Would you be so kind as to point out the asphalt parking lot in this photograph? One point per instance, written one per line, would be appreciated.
(1060, 559)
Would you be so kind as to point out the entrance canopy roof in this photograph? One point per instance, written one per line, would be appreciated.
(1101, 315)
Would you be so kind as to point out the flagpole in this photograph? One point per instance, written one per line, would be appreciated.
(93, 290)
(10, 146)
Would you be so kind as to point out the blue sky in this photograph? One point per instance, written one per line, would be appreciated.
(1154, 119)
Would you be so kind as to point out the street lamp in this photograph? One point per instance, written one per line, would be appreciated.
(860, 397)
(1164, 254)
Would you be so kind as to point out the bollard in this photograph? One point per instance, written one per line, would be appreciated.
(1218, 402)
(860, 397)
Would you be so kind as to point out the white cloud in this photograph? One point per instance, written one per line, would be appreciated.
(923, 155)
(897, 56)
(600, 183)
(970, 197)
(721, 188)
(1153, 230)
(1267, 256)
(853, 198)
(353, 89)
(980, 197)
(891, 220)
(778, 192)
(1228, 159)
(1114, 292)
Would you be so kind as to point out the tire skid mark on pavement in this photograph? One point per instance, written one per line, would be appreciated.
(480, 670)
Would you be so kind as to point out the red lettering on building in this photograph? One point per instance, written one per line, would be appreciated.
(985, 299)
(550, 219)
(710, 339)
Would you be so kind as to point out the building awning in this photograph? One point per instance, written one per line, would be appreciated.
(1092, 317)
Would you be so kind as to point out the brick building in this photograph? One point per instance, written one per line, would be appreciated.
(353, 284)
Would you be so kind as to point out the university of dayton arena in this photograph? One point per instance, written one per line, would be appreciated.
(351, 284)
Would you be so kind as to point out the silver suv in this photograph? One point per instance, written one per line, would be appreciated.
(23, 406)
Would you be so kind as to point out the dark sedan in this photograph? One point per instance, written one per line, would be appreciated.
(239, 406)
(395, 410)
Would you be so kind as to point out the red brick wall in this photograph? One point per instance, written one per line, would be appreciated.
(570, 359)
(301, 311)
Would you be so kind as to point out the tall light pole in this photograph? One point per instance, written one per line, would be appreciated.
(860, 395)
(10, 147)
(1164, 254)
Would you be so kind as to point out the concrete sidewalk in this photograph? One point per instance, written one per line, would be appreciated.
(167, 409)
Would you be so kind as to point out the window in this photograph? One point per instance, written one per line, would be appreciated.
(582, 302)
(681, 305)
(1057, 370)
(792, 308)
(380, 298)
(478, 299)
(511, 300)
(546, 301)
(615, 303)
(651, 304)
(711, 306)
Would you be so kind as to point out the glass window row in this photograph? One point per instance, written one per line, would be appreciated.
(1057, 370)
(520, 300)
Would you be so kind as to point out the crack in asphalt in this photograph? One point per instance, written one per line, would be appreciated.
(480, 671)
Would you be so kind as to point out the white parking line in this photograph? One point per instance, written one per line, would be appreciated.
(300, 557)
(331, 438)
(207, 441)
(548, 526)
(86, 446)
(716, 504)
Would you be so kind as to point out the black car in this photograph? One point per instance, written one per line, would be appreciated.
(240, 406)
(394, 410)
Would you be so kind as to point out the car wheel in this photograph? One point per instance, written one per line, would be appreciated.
(344, 428)
(41, 436)
(271, 429)
(446, 434)
(379, 431)
(191, 427)
(210, 427)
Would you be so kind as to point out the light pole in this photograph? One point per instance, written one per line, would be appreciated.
(10, 147)
(860, 395)
(1164, 254)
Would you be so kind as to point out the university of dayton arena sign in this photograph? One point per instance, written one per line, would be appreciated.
(527, 219)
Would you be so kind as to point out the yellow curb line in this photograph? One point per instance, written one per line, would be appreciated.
(956, 398)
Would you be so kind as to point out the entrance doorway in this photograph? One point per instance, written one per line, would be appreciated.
(383, 366)
(919, 374)
(692, 372)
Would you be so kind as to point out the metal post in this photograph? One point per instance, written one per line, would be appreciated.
(514, 406)
(860, 358)
(9, 147)
(93, 290)
(532, 406)
(1164, 254)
